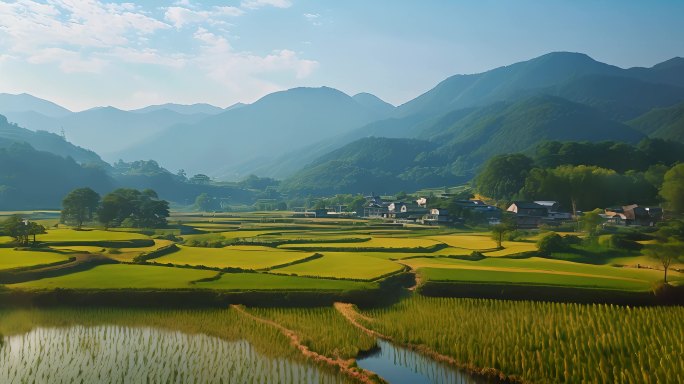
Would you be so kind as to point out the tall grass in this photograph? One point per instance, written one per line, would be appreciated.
(323, 330)
(545, 342)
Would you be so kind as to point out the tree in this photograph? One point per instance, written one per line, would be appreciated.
(137, 209)
(591, 221)
(500, 230)
(503, 176)
(79, 205)
(551, 242)
(17, 228)
(665, 253)
(35, 229)
(673, 188)
(206, 203)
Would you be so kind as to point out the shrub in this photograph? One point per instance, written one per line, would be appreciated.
(552, 242)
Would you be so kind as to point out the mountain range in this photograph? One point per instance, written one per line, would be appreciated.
(321, 140)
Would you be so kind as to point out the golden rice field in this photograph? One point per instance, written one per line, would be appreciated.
(237, 256)
(88, 235)
(375, 242)
(10, 258)
(343, 265)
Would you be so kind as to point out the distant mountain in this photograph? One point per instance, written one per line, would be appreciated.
(664, 123)
(24, 103)
(668, 72)
(106, 129)
(374, 104)
(369, 165)
(45, 141)
(278, 123)
(453, 146)
(462, 91)
(620, 98)
(32, 179)
(183, 109)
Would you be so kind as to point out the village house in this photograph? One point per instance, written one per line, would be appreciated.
(405, 211)
(528, 214)
(374, 207)
(633, 214)
(436, 216)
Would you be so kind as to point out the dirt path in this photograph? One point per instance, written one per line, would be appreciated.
(345, 366)
(417, 277)
(353, 316)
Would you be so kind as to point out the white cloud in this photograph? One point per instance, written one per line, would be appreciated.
(232, 68)
(69, 61)
(256, 4)
(314, 18)
(180, 16)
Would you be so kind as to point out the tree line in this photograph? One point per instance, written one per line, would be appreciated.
(584, 176)
(124, 207)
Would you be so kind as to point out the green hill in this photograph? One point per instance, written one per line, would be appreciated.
(664, 123)
(45, 141)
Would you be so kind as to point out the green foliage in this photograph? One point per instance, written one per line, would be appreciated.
(665, 123)
(665, 253)
(206, 203)
(79, 206)
(134, 208)
(673, 188)
(503, 176)
(591, 220)
(550, 243)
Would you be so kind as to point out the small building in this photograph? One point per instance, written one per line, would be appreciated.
(406, 211)
(437, 216)
(633, 214)
(528, 214)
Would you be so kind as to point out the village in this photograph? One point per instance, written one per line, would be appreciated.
(524, 214)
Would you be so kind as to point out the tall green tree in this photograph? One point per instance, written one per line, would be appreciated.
(666, 254)
(17, 228)
(138, 209)
(35, 229)
(80, 206)
(503, 176)
(673, 189)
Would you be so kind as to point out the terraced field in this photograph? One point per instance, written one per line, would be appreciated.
(121, 276)
(88, 235)
(270, 282)
(375, 242)
(10, 258)
(245, 257)
(344, 265)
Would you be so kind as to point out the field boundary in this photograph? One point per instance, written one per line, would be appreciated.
(550, 293)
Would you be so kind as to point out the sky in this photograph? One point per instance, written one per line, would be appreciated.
(87, 53)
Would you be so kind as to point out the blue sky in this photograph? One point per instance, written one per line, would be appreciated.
(87, 53)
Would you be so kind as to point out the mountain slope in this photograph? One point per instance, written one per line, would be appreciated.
(105, 130)
(45, 141)
(453, 146)
(25, 102)
(664, 123)
(366, 165)
(374, 104)
(276, 124)
(183, 109)
(462, 91)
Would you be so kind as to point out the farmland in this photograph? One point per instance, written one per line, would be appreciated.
(288, 272)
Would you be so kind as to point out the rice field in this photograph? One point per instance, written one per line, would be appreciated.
(121, 276)
(122, 346)
(544, 266)
(245, 257)
(544, 342)
(323, 330)
(344, 265)
(88, 235)
(11, 258)
(124, 254)
(375, 242)
(533, 278)
(271, 282)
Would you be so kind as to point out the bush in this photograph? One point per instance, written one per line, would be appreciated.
(618, 241)
(552, 242)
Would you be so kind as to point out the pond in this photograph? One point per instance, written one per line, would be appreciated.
(403, 366)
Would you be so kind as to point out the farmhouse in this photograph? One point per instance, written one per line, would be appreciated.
(633, 214)
(405, 211)
(437, 216)
(528, 214)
